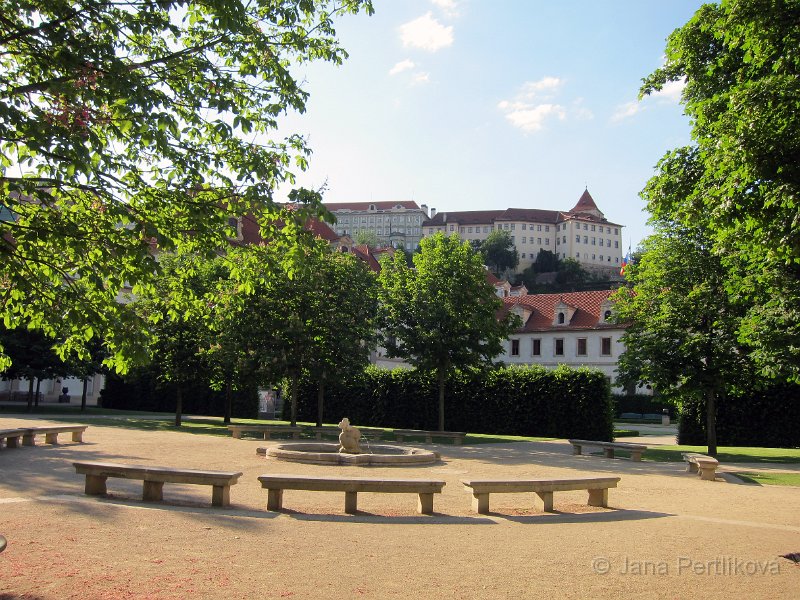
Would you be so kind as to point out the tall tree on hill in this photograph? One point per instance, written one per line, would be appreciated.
(442, 314)
(499, 252)
(741, 174)
(128, 125)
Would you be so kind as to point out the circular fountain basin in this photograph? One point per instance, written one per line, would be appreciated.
(328, 454)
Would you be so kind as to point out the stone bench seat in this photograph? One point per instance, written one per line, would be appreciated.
(544, 488)
(11, 437)
(456, 436)
(704, 466)
(154, 478)
(276, 484)
(266, 430)
(51, 432)
(609, 447)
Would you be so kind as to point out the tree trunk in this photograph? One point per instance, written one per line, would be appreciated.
(320, 399)
(30, 394)
(178, 406)
(294, 401)
(442, 376)
(228, 402)
(711, 422)
(36, 395)
(83, 394)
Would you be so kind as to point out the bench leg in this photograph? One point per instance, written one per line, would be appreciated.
(425, 504)
(236, 434)
(296, 435)
(51, 438)
(77, 436)
(708, 474)
(29, 439)
(428, 439)
(12, 442)
(274, 499)
(267, 435)
(221, 495)
(153, 491)
(691, 467)
(318, 435)
(95, 485)
(636, 455)
(598, 498)
(480, 503)
(608, 452)
(544, 501)
(350, 502)
(576, 449)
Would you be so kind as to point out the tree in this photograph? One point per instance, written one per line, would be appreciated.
(740, 65)
(33, 359)
(682, 327)
(499, 251)
(365, 237)
(443, 314)
(126, 126)
(546, 262)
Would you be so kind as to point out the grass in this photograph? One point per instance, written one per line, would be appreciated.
(618, 433)
(727, 454)
(787, 479)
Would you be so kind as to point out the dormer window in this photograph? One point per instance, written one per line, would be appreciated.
(372, 207)
(606, 311)
(561, 318)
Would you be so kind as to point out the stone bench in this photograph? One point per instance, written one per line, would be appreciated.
(267, 430)
(425, 488)
(154, 479)
(544, 489)
(11, 437)
(51, 433)
(704, 466)
(609, 447)
(456, 436)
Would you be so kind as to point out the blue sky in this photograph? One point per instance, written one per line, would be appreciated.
(489, 104)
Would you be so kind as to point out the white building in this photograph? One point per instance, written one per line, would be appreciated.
(582, 233)
(573, 329)
(395, 224)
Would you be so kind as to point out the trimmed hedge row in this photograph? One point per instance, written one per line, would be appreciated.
(767, 418)
(141, 390)
(642, 404)
(528, 401)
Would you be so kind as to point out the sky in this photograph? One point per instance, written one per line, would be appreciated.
(492, 104)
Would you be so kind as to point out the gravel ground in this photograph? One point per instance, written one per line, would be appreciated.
(666, 534)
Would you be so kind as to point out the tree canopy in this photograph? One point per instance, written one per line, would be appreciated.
(741, 175)
(499, 251)
(129, 126)
(443, 313)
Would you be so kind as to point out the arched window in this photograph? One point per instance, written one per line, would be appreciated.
(606, 315)
(560, 318)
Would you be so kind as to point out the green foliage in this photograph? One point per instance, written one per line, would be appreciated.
(750, 417)
(366, 237)
(126, 126)
(741, 175)
(570, 276)
(642, 404)
(443, 314)
(499, 252)
(527, 401)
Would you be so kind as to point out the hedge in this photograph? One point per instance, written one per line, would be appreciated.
(526, 401)
(766, 418)
(642, 404)
(140, 390)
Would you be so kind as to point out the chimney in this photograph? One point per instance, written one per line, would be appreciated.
(433, 212)
(424, 208)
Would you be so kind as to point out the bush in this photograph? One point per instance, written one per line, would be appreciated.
(527, 401)
(766, 418)
(642, 404)
(141, 390)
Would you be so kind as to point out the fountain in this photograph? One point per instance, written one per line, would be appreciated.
(349, 452)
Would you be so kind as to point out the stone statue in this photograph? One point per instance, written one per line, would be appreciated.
(349, 438)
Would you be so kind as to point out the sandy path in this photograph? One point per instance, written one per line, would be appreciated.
(668, 535)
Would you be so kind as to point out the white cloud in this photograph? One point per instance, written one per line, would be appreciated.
(625, 111)
(420, 78)
(403, 65)
(449, 7)
(671, 92)
(532, 118)
(426, 33)
(534, 105)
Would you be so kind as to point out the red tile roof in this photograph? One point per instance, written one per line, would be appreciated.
(585, 203)
(543, 309)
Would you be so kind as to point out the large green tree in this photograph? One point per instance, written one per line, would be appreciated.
(133, 125)
(442, 314)
(681, 333)
(499, 252)
(741, 174)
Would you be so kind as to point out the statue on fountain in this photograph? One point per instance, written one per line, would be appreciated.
(349, 438)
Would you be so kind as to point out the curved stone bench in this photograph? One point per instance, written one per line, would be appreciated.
(51, 432)
(609, 447)
(456, 436)
(704, 466)
(11, 437)
(267, 430)
(276, 484)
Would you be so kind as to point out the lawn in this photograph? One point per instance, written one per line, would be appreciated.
(727, 454)
(787, 479)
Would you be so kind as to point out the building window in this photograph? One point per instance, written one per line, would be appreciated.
(564, 239)
(581, 349)
(524, 226)
(546, 241)
(592, 227)
(594, 241)
(577, 239)
(469, 229)
(605, 343)
(616, 231)
(558, 347)
(616, 244)
(585, 227)
(560, 318)
(451, 227)
(486, 229)
(536, 347)
(523, 255)
(547, 227)
(512, 226)
(586, 239)
(514, 347)
(460, 230)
